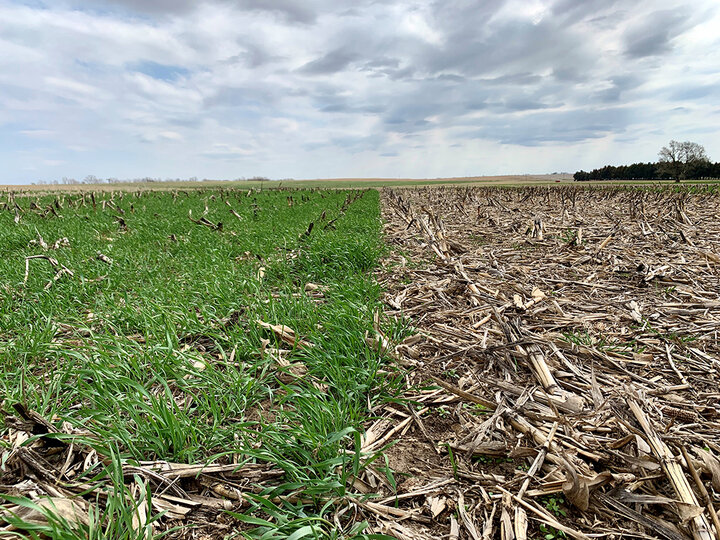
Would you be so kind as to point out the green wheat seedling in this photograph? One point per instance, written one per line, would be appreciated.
(151, 348)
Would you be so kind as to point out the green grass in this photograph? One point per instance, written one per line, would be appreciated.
(159, 355)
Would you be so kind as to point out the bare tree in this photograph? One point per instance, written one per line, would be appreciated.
(678, 159)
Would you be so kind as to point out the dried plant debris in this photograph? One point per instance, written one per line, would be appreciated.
(62, 479)
(563, 368)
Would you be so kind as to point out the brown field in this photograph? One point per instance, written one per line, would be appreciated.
(563, 365)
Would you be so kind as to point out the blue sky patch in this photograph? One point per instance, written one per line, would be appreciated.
(163, 72)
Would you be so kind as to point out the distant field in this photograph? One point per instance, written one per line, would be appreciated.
(338, 183)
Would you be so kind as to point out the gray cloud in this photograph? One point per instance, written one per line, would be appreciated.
(653, 36)
(558, 127)
(519, 46)
(360, 143)
(520, 79)
(293, 10)
(240, 96)
(253, 56)
(331, 62)
(620, 85)
(138, 6)
(683, 93)
(597, 12)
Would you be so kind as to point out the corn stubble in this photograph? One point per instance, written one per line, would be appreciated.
(565, 356)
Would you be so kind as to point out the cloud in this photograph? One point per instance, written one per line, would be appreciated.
(151, 6)
(683, 93)
(37, 133)
(162, 136)
(290, 10)
(297, 11)
(653, 36)
(253, 55)
(335, 87)
(228, 152)
(329, 63)
(543, 128)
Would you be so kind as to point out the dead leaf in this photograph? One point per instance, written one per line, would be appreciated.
(712, 256)
(140, 518)
(47, 509)
(437, 505)
(537, 294)
(575, 487)
(687, 512)
(285, 334)
(712, 464)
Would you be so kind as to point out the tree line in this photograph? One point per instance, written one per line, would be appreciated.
(677, 161)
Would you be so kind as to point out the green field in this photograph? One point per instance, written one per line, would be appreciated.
(139, 339)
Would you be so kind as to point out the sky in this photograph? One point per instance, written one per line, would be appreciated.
(227, 89)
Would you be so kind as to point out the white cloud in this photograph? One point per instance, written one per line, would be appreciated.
(416, 23)
(228, 151)
(152, 137)
(37, 133)
(291, 88)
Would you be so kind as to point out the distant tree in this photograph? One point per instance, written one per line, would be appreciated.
(682, 160)
(581, 176)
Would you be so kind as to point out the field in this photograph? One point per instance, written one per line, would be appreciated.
(193, 352)
(324, 183)
(573, 334)
(466, 362)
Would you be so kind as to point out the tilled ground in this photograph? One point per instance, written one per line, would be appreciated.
(563, 369)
